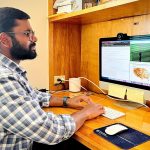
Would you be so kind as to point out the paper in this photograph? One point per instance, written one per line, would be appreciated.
(135, 95)
(117, 90)
(59, 3)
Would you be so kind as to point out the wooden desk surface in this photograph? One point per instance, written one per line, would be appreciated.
(138, 119)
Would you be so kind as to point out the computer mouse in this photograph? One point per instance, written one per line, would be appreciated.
(115, 128)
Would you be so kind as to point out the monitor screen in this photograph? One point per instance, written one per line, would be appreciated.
(125, 61)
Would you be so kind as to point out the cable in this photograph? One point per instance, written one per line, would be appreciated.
(53, 92)
(110, 96)
(61, 80)
(125, 100)
(104, 92)
(78, 85)
(93, 84)
(43, 90)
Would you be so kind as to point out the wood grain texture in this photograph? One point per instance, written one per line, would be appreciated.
(135, 118)
(74, 48)
(90, 35)
(108, 11)
(51, 11)
(74, 51)
(65, 51)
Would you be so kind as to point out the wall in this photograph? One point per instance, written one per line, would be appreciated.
(38, 68)
(90, 42)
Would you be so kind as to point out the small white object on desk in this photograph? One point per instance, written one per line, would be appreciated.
(112, 113)
(115, 128)
(74, 84)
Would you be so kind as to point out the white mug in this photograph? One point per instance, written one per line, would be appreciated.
(74, 84)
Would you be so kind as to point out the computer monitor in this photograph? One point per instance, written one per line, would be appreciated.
(125, 61)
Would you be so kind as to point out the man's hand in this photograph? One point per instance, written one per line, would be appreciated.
(76, 102)
(93, 110)
(88, 112)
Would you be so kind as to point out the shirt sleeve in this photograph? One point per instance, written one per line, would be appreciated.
(43, 98)
(23, 116)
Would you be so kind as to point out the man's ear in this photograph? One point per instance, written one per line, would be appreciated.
(5, 40)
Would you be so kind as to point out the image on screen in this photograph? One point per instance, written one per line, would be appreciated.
(125, 62)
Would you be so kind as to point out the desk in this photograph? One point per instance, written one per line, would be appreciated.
(138, 119)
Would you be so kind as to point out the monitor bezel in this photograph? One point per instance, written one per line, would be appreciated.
(100, 62)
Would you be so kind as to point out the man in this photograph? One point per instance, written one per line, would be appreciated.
(22, 120)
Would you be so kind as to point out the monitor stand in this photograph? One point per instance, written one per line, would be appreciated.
(128, 104)
(127, 97)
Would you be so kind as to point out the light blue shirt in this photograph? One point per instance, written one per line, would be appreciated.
(22, 120)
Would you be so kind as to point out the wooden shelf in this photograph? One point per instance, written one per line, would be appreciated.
(105, 12)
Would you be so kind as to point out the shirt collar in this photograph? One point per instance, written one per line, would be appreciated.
(5, 61)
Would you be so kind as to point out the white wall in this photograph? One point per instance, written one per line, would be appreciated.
(38, 73)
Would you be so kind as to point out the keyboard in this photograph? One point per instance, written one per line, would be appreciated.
(112, 113)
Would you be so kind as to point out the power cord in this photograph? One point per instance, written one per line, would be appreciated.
(43, 90)
(119, 99)
(60, 80)
(111, 96)
(125, 100)
(93, 84)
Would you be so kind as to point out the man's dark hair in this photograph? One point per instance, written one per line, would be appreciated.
(8, 16)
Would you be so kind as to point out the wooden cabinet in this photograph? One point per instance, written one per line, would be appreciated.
(74, 37)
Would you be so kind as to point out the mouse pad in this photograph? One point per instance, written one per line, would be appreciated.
(126, 139)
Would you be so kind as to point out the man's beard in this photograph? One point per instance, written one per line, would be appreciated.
(18, 52)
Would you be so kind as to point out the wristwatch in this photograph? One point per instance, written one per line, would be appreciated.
(65, 98)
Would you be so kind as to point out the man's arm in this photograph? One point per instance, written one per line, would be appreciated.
(21, 115)
(29, 121)
(55, 101)
(89, 112)
(74, 102)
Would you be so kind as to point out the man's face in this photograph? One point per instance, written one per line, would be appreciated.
(23, 46)
(19, 52)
